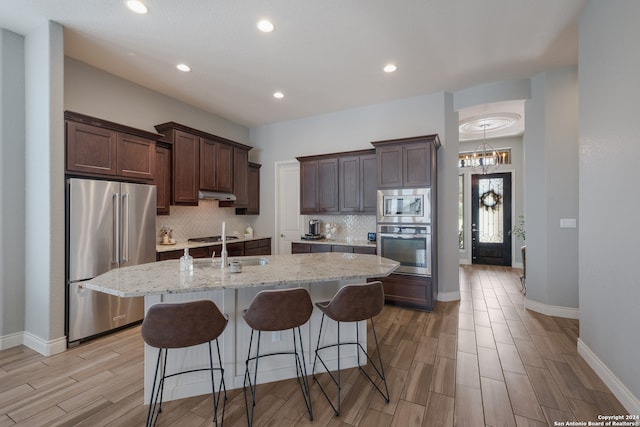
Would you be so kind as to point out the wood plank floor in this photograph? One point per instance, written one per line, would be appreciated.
(482, 361)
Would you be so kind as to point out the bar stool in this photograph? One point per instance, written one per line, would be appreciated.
(352, 303)
(180, 325)
(278, 310)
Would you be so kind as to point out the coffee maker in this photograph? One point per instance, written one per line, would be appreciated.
(314, 227)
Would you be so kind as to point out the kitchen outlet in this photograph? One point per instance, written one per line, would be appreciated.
(275, 336)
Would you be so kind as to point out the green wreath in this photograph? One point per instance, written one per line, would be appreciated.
(490, 200)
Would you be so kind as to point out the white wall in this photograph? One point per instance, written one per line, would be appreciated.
(94, 92)
(12, 162)
(551, 188)
(44, 190)
(354, 129)
(609, 203)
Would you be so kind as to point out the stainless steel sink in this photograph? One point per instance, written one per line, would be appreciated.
(244, 261)
(247, 261)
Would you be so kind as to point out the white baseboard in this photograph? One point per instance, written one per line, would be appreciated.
(630, 402)
(552, 310)
(46, 348)
(448, 296)
(9, 341)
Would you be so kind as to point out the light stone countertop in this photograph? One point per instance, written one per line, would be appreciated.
(164, 277)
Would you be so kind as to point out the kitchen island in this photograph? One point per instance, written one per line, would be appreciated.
(322, 274)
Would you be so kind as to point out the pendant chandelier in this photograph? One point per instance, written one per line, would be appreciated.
(485, 157)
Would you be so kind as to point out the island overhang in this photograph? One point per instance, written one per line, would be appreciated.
(165, 277)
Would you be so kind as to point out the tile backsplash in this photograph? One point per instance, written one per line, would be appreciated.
(206, 220)
(202, 220)
(348, 227)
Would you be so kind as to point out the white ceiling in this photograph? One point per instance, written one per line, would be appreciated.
(325, 55)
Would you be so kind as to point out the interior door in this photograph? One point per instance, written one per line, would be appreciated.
(491, 219)
(288, 218)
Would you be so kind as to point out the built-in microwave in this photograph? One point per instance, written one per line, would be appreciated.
(408, 244)
(404, 205)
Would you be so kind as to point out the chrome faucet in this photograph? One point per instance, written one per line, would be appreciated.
(223, 254)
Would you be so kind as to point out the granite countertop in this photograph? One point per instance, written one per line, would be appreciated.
(181, 245)
(341, 242)
(164, 277)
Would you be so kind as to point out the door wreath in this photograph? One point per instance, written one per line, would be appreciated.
(490, 200)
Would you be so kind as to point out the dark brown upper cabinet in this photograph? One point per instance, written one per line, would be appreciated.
(240, 179)
(163, 178)
(96, 147)
(406, 162)
(338, 183)
(200, 161)
(253, 178)
(185, 168)
(357, 178)
(318, 185)
(216, 166)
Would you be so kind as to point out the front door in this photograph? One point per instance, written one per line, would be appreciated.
(491, 219)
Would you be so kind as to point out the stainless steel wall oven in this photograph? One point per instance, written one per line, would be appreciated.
(409, 244)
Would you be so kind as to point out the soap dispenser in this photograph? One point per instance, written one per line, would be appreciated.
(186, 261)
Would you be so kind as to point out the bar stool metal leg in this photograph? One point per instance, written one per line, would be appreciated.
(301, 373)
(293, 307)
(157, 394)
(352, 303)
(177, 326)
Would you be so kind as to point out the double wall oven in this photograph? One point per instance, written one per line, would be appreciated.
(404, 229)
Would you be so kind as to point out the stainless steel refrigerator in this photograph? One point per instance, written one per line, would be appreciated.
(109, 225)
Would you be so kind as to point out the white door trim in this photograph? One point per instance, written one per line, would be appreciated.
(278, 165)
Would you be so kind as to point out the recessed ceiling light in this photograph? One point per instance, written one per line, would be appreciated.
(278, 95)
(137, 6)
(183, 67)
(265, 26)
(390, 68)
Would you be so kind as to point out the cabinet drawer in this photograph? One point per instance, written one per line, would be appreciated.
(320, 248)
(368, 250)
(342, 248)
(202, 252)
(251, 244)
(235, 249)
(163, 256)
(300, 248)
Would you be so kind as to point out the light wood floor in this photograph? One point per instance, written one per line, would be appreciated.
(482, 361)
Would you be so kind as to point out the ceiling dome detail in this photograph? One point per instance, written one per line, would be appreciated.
(474, 127)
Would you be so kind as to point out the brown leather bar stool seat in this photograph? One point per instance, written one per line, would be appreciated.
(278, 310)
(352, 303)
(179, 325)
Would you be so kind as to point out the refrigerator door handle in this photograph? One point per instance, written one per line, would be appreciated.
(125, 228)
(116, 228)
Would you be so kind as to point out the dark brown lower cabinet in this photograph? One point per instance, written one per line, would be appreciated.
(408, 291)
(249, 247)
(305, 248)
(257, 247)
(201, 252)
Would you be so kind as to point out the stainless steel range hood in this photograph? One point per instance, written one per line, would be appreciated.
(214, 195)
